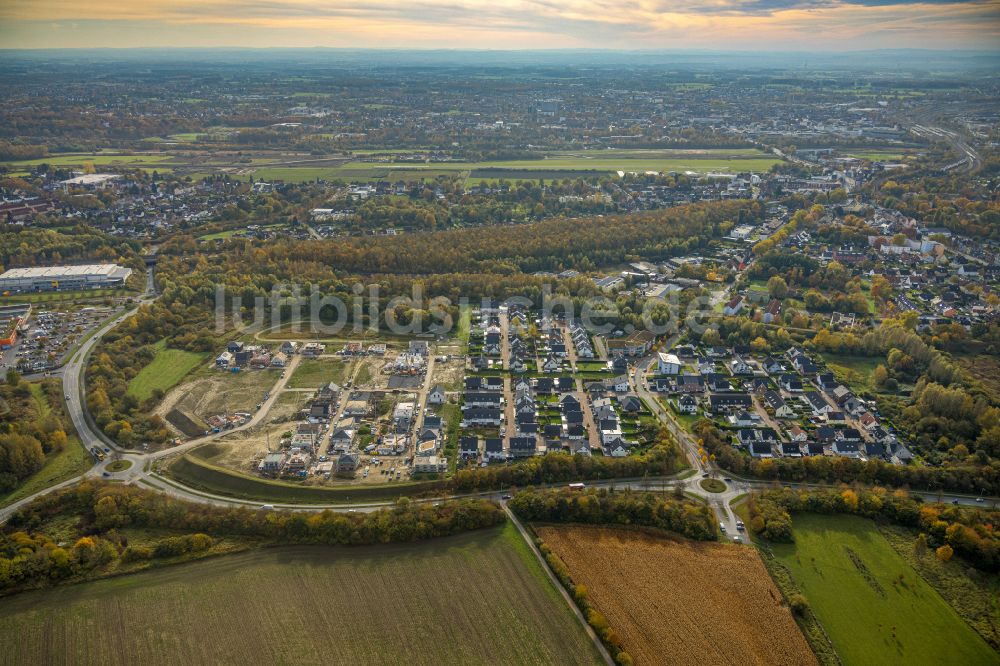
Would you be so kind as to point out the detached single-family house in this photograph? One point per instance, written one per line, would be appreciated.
(778, 405)
(791, 383)
(868, 421)
(772, 366)
(437, 395)
(630, 404)
(551, 364)
(734, 305)
(817, 403)
(826, 381)
(874, 450)
(686, 404)
(738, 366)
(804, 365)
(616, 448)
(348, 462)
(797, 434)
(342, 438)
(569, 403)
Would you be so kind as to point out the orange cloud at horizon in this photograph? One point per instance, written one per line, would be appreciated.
(500, 24)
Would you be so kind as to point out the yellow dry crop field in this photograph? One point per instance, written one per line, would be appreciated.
(675, 601)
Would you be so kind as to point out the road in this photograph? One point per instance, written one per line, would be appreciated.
(140, 471)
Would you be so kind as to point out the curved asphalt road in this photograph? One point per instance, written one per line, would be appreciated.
(139, 472)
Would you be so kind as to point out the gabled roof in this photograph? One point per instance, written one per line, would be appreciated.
(494, 444)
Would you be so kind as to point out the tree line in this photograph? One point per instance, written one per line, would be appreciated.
(608, 507)
(966, 531)
(32, 555)
(663, 458)
(962, 478)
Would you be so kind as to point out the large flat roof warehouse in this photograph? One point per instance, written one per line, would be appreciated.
(64, 277)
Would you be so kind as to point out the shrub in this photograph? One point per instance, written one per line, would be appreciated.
(137, 553)
(799, 604)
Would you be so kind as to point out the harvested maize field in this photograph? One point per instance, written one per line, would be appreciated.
(675, 601)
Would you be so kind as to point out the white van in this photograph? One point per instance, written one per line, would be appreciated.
(722, 527)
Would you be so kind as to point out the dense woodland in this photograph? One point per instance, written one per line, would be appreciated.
(966, 205)
(32, 427)
(29, 246)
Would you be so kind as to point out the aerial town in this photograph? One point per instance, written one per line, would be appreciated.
(606, 358)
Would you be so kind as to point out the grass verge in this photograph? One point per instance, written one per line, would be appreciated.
(166, 370)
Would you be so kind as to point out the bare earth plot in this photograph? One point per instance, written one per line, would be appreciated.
(675, 601)
(209, 392)
(476, 598)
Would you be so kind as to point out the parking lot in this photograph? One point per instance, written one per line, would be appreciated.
(50, 335)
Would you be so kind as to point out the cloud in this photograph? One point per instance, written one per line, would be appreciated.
(754, 24)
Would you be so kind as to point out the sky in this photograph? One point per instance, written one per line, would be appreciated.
(765, 25)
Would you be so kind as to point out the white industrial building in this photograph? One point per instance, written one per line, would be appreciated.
(49, 278)
(91, 180)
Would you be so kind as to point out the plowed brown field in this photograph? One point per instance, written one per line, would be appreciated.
(675, 601)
